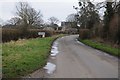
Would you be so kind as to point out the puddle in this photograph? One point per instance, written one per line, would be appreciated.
(50, 67)
(54, 47)
(62, 37)
(55, 43)
(54, 50)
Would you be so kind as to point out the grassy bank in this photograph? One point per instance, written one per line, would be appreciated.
(25, 56)
(103, 47)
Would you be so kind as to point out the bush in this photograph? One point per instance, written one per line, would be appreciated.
(15, 34)
(47, 32)
(84, 33)
(114, 29)
(60, 32)
(10, 34)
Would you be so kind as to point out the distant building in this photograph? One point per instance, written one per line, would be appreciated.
(69, 24)
(48, 28)
(69, 27)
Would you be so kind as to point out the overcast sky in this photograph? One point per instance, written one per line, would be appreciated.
(49, 8)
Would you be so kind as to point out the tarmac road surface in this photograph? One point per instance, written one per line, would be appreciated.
(76, 60)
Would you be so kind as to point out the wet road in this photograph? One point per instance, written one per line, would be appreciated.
(76, 60)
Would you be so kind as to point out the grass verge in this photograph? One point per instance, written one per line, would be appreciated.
(102, 47)
(24, 56)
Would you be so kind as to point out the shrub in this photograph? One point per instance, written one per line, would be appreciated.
(114, 29)
(84, 33)
(60, 32)
(47, 32)
(10, 34)
(15, 34)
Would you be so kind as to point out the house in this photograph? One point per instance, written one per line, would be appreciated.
(69, 24)
(48, 28)
(69, 27)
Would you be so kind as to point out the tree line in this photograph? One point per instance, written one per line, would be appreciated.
(26, 24)
(27, 16)
(91, 22)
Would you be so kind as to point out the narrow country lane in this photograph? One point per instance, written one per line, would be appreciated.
(76, 60)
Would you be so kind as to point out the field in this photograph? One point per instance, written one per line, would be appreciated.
(24, 56)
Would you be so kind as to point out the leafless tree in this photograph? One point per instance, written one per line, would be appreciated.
(71, 18)
(14, 21)
(53, 20)
(1, 22)
(29, 15)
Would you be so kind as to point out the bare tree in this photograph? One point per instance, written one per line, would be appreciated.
(14, 21)
(71, 18)
(1, 22)
(53, 20)
(29, 15)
